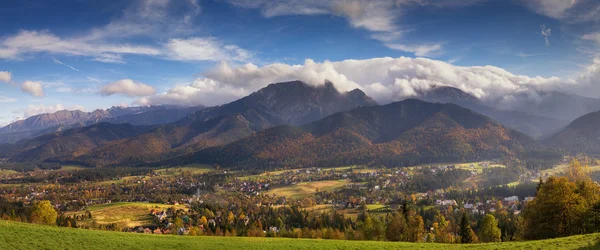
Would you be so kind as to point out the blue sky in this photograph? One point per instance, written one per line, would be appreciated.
(96, 54)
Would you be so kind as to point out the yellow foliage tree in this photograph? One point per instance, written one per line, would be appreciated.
(578, 172)
(44, 213)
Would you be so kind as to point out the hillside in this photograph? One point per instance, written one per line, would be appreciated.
(531, 124)
(72, 142)
(17, 236)
(398, 134)
(277, 104)
(582, 135)
(62, 120)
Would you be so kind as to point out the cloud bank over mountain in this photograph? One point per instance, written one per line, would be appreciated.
(385, 79)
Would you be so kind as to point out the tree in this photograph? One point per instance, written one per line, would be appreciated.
(416, 232)
(44, 213)
(489, 231)
(559, 208)
(396, 228)
(465, 231)
(368, 228)
(441, 229)
(577, 172)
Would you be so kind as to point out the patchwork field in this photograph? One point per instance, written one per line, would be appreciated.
(128, 214)
(14, 235)
(305, 188)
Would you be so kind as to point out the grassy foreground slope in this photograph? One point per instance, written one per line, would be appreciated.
(15, 235)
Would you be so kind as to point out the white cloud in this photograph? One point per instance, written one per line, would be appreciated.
(32, 110)
(546, 33)
(33, 88)
(5, 76)
(418, 50)
(204, 49)
(595, 37)
(525, 55)
(573, 11)
(378, 17)
(69, 66)
(5, 99)
(128, 87)
(27, 42)
(385, 79)
(93, 79)
(552, 8)
(147, 18)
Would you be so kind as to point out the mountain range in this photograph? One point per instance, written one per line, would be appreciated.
(283, 103)
(531, 124)
(580, 136)
(296, 124)
(397, 134)
(62, 120)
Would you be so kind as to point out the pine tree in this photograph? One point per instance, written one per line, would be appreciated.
(465, 231)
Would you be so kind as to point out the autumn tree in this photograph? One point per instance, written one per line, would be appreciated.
(557, 210)
(442, 229)
(489, 231)
(416, 232)
(397, 227)
(44, 213)
(577, 172)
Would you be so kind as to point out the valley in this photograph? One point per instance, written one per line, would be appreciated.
(299, 161)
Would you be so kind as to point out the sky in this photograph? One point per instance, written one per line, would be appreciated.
(87, 55)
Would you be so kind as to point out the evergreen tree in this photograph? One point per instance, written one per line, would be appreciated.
(465, 232)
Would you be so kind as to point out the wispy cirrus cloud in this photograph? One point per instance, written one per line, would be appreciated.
(62, 63)
(378, 17)
(546, 33)
(160, 19)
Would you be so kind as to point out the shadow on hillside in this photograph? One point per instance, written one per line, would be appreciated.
(593, 246)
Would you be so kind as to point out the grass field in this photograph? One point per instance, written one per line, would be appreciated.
(192, 168)
(305, 188)
(128, 214)
(275, 174)
(561, 169)
(72, 167)
(6, 172)
(472, 166)
(18, 236)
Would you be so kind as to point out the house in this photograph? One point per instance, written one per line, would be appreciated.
(512, 199)
(445, 202)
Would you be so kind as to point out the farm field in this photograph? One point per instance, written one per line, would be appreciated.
(355, 169)
(192, 168)
(560, 169)
(305, 188)
(473, 166)
(5, 172)
(130, 214)
(72, 167)
(14, 235)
